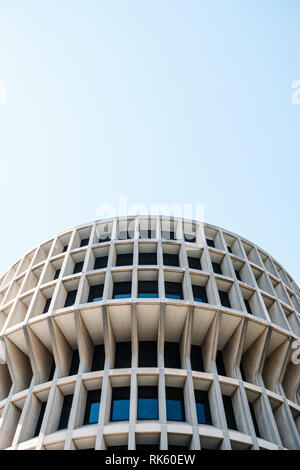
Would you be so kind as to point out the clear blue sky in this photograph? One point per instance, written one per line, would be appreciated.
(162, 101)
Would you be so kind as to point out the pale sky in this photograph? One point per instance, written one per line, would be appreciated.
(162, 101)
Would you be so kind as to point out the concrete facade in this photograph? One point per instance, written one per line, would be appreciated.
(263, 341)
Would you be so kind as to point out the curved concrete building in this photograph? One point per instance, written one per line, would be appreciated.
(146, 333)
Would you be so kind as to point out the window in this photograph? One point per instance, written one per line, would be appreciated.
(210, 243)
(217, 268)
(98, 357)
(194, 263)
(196, 358)
(123, 355)
(146, 233)
(251, 407)
(47, 305)
(65, 412)
(237, 273)
(173, 290)
(40, 419)
(148, 289)
(202, 407)
(65, 248)
(92, 407)
(84, 242)
(224, 299)
(124, 259)
(229, 249)
(147, 403)
(243, 372)
(220, 364)
(171, 259)
(168, 234)
(248, 306)
(70, 299)
(189, 238)
(147, 354)
(104, 240)
(52, 370)
(96, 293)
(175, 404)
(120, 404)
(172, 355)
(78, 267)
(101, 262)
(74, 363)
(57, 273)
(199, 293)
(125, 235)
(229, 413)
(122, 290)
(147, 258)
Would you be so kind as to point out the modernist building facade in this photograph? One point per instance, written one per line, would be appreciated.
(149, 333)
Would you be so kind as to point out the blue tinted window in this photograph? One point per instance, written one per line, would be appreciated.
(147, 408)
(174, 410)
(120, 411)
(201, 413)
(97, 299)
(198, 299)
(172, 296)
(94, 413)
(148, 295)
(122, 296)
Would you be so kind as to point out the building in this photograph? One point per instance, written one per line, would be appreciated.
(149, 333)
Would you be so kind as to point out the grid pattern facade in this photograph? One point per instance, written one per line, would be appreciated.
(160, 334)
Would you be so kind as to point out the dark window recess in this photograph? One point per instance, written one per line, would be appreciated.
(123, 355)
(78, 267)
(147, 233)
(199, 293)
(104, 239)
(248, 306)
(217, 268)
(122, 290)
(101, 262)
(147, 354)
(70, 299)
(147, 403)
(74, 363)
(168, 234)
(229, 249)
(120, 404)
(175, 404)
(147, 258)
(40, 419)
(98, 357)
(189, 238)
(251, 407)
(52, 370)
(210, 243)
(243, 372)
(173, 290)
(65, 248)
(224, 299)
(196, 358)
(124, 259)
(238, 276)
(171, 259)
(194, 263)
(172, 355)
(65, 412)
(84, 242)
(92, 407)
(57, 273)
(47, 305)
(148, 289)
(202, 407)
(220, 364)
(230, 418)
(96, 293)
